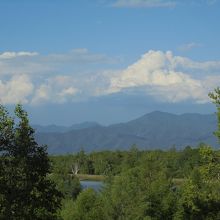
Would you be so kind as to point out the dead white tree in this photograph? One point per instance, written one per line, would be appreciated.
(75, 168)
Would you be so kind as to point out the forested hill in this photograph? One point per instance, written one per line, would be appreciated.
(156, 130)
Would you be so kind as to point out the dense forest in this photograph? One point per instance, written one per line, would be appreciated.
(142, 184)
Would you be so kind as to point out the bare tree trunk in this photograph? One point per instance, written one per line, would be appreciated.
(75, 169)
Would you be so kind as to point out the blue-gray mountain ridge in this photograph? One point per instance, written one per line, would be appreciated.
(156, 130)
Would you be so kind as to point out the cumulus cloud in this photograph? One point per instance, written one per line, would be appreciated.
(58, 89)
(42, 94)
(16, 89)
(144, 3)
(79, 75)
(159, 74)
(52, 77)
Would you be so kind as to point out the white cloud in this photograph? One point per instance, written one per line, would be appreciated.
(80, 74)
(189, 46)
(42, 94)
(158, 73)
(17, 89)
(12, 55)
(58, 89)
(70, 91)
(12, 63)
(55, 76)
(144, 3)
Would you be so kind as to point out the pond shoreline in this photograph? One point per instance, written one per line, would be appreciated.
(91, 177)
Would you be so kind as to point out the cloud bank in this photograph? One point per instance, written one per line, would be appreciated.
(78, 75)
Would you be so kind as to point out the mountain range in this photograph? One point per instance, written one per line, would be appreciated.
(62, 129)
(156, 130)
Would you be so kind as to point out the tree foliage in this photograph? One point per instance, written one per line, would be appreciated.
(88, 206)
(25, 190)
(153, 185)
(215, 97)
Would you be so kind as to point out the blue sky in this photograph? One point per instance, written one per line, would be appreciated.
(108, 61)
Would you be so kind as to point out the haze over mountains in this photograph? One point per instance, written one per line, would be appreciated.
(156, 130)
(61, 129)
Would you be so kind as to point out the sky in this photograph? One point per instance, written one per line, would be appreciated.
(109, 61)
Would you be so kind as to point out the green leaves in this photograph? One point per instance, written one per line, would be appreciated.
(88, 206)
(25, 191)
(215, 97)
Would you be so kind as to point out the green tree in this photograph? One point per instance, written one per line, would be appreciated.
(68, 184)
(142, 192)
(25, 190)
(199, 200)
(210, 167)
(88, 206)
(215, 97)
(199, 194)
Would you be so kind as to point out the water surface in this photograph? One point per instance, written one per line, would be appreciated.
(96, 185)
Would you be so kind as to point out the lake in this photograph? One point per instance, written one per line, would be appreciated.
(96, 185)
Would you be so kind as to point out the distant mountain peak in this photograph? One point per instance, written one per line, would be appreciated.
(159, 113)
(155, 130)
(61, 129)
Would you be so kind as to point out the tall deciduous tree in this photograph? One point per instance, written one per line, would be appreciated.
(25, 190)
